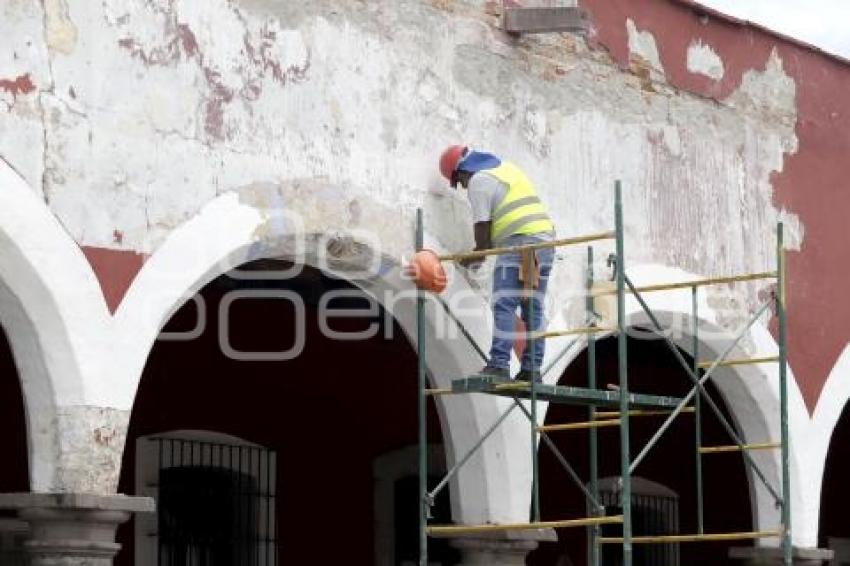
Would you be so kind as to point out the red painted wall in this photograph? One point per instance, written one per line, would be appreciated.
(813, 183)
(115, 270)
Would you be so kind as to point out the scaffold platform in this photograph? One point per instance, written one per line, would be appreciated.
(563, 394)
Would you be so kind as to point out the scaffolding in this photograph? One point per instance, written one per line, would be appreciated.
(623, 404)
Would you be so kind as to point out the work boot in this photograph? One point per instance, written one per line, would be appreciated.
(498, 373)
(526, 375)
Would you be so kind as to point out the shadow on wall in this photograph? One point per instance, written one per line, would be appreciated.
(327, 414)
(671, 464)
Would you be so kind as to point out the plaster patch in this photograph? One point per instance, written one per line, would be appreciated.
(643, 48)
(703, 60)
(285, 52)
(770, 94)
(233, 71)
(61, 31)
(793, 230)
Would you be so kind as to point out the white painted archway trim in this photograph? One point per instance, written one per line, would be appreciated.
(53, 312)
(833, 399)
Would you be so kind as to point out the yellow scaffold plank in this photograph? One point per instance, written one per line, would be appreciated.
(736, 448)
(710, 537)
(579, 426)
(473, 529)
(511, 386)
(439, 391)
(638, 413)
(740, 361)
(572, 332)
(517, 249)
(694, 283)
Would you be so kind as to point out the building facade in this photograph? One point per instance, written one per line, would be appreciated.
(186, 188)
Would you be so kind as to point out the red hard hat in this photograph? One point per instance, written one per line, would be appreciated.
(449, 160)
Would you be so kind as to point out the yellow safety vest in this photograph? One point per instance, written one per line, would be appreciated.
(521, 211)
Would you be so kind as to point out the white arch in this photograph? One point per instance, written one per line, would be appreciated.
(832, 401)
(50, 307)
(239, 226)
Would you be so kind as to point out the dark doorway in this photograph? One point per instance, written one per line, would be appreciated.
(216, 503)
(655, 511)
(407, 525)
(327, 413)
(203, 518)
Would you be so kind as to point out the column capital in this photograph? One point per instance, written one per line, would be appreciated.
(73, 529)
(500, 548)
(770, 555)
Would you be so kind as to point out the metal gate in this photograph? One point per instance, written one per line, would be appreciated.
(216, 504)
(655, 511)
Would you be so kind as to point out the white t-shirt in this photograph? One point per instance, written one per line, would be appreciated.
(485, 193)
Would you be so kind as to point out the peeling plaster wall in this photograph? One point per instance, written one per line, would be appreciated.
(24, 83)
(156, 107)
(811, 184)
(811, 180)
(129, 116)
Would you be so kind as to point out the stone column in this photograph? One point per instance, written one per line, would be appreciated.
(13, 533)
(770, 556)
(73, 529)
(500, 548)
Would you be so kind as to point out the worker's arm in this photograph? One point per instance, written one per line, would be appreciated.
(482, 236)
(482, 242)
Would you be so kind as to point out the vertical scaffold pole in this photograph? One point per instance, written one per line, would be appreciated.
(783, 396)
(527, 258)
(421, 385)
(592, 531)
(697, 409)
(625, 478)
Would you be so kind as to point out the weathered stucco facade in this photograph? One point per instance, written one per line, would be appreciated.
(148, 146)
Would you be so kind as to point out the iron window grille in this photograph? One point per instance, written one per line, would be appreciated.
(215, 504)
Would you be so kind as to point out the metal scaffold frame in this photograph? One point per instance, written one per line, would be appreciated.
(628, 405)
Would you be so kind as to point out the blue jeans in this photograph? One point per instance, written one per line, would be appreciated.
(508, 295)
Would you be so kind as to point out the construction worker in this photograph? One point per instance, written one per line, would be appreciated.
(506, 211)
